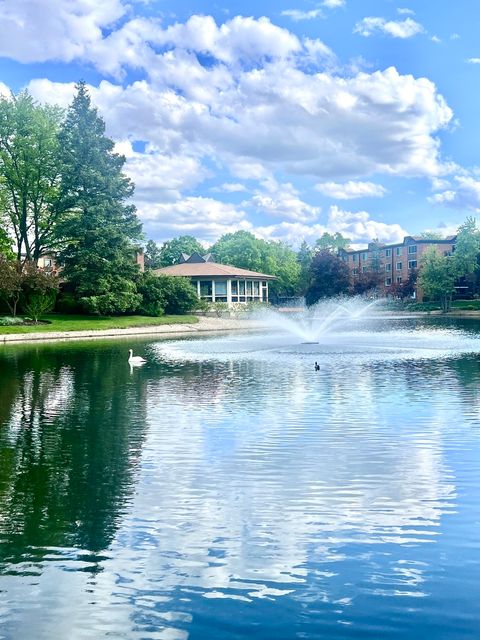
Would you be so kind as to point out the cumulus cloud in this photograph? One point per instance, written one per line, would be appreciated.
(395, 28)
(333, 4)
(464, 195)
(204, 218)
(351, 189)
(231, 187)
(358, 226)
(473, 60)
(283, 201)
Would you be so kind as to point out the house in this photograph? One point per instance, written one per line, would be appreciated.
(395, 262)
(217, 282)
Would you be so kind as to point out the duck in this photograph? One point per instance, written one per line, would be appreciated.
(135, 359)
(317, 366)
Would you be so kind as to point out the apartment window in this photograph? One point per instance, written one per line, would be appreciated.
(47, 262)
(364, 256)
(364, 269)
(412, 248)
(399, 279)
(412, 264)
(399, 266)
(355, 272)
(354, 258)
(388, 253)
(388, 267)
(388, 282)
(398, 251)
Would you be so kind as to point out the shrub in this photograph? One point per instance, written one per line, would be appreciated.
(39, 291)
(67, 303)
(111, 303)
(153, 298)
(9, 321)
(179, 295)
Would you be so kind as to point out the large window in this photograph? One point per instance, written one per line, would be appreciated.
(412, 264)
(398, 251)
(206, 288)
(388, 253)
(220, 291)
(388, 267)
(412, 248)
(399, 266)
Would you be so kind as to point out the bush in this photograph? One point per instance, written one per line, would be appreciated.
(9, 321)
(179, 295)
(111, 303)
(67, 303)
(153, 298)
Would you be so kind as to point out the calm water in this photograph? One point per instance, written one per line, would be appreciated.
(227, 491)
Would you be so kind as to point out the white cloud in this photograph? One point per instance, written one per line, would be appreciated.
(32, 31)
(297, 15)
(333, 4)
(283, 201)
(204, 218)
(231, 187)
(464, 195)
(395, 28)
(435, 39)
(405, 12)
(351, 189)
(473, 60)
(358, 226)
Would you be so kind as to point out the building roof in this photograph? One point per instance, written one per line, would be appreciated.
(209, 270)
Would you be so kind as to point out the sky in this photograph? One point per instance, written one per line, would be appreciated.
(285, 118)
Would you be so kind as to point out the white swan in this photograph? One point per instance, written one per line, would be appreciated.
(135, 359)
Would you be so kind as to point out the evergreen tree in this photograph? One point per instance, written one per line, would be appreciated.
(100, 233)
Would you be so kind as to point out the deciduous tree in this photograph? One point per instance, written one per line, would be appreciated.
(329, 277)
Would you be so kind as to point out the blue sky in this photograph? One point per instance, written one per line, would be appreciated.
(284, 118)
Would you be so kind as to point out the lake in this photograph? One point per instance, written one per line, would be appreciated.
(225, 490)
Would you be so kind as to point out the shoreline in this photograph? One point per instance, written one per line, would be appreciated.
(204, 325)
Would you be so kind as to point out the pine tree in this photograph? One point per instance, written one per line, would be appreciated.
(98, 255)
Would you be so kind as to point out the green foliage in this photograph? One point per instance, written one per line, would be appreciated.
(437, 277)
(304, 259)
(153, 296)
(30, 168)
(11, 281)
(179, 295)
(98, 254)
(39, 291)
(153, 257)
(467, 248)
(10, 321)
(242, 249)
(329, 276)
(331, 242)
(171, 250)
(5, 240)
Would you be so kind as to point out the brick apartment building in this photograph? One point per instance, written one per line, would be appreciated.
(395, 262)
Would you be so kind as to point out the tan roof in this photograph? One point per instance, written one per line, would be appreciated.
(210, 269)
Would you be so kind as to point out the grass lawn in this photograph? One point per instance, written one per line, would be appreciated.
(60, 322)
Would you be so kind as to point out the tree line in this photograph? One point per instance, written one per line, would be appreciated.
(63, 192)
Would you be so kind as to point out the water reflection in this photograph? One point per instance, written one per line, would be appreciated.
(235, 497)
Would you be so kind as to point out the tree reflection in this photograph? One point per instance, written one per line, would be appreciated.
(73, 427)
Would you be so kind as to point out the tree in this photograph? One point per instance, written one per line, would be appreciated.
(329, 276)
(171, 250)
(10, 283)
(467, 248)
(431, 235)
(304, 259)
(30, 169)
(367, 282)
(101, 230)
(153, 256)
(405, 289)
(437, 277)
(332, 242)
(242, 249)
(39, 290)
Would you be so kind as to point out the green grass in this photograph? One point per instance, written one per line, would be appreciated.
(61, 322)
(457, 305)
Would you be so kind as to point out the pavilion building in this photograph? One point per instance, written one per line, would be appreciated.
(217, 282)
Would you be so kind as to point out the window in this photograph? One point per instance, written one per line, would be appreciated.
(388, 253)
(205, 288)
(412, 248)
(241, 285)
(249, 287)
(220, 288)
(364, 256)
(412, 264)
(388, 267)
(388, 282)
(234, 289)
(399, 266)
(399, 279)
(355, 272)
(47, 262)
(354, 258)
(256, 288)
(364, 269)
(398, 251)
